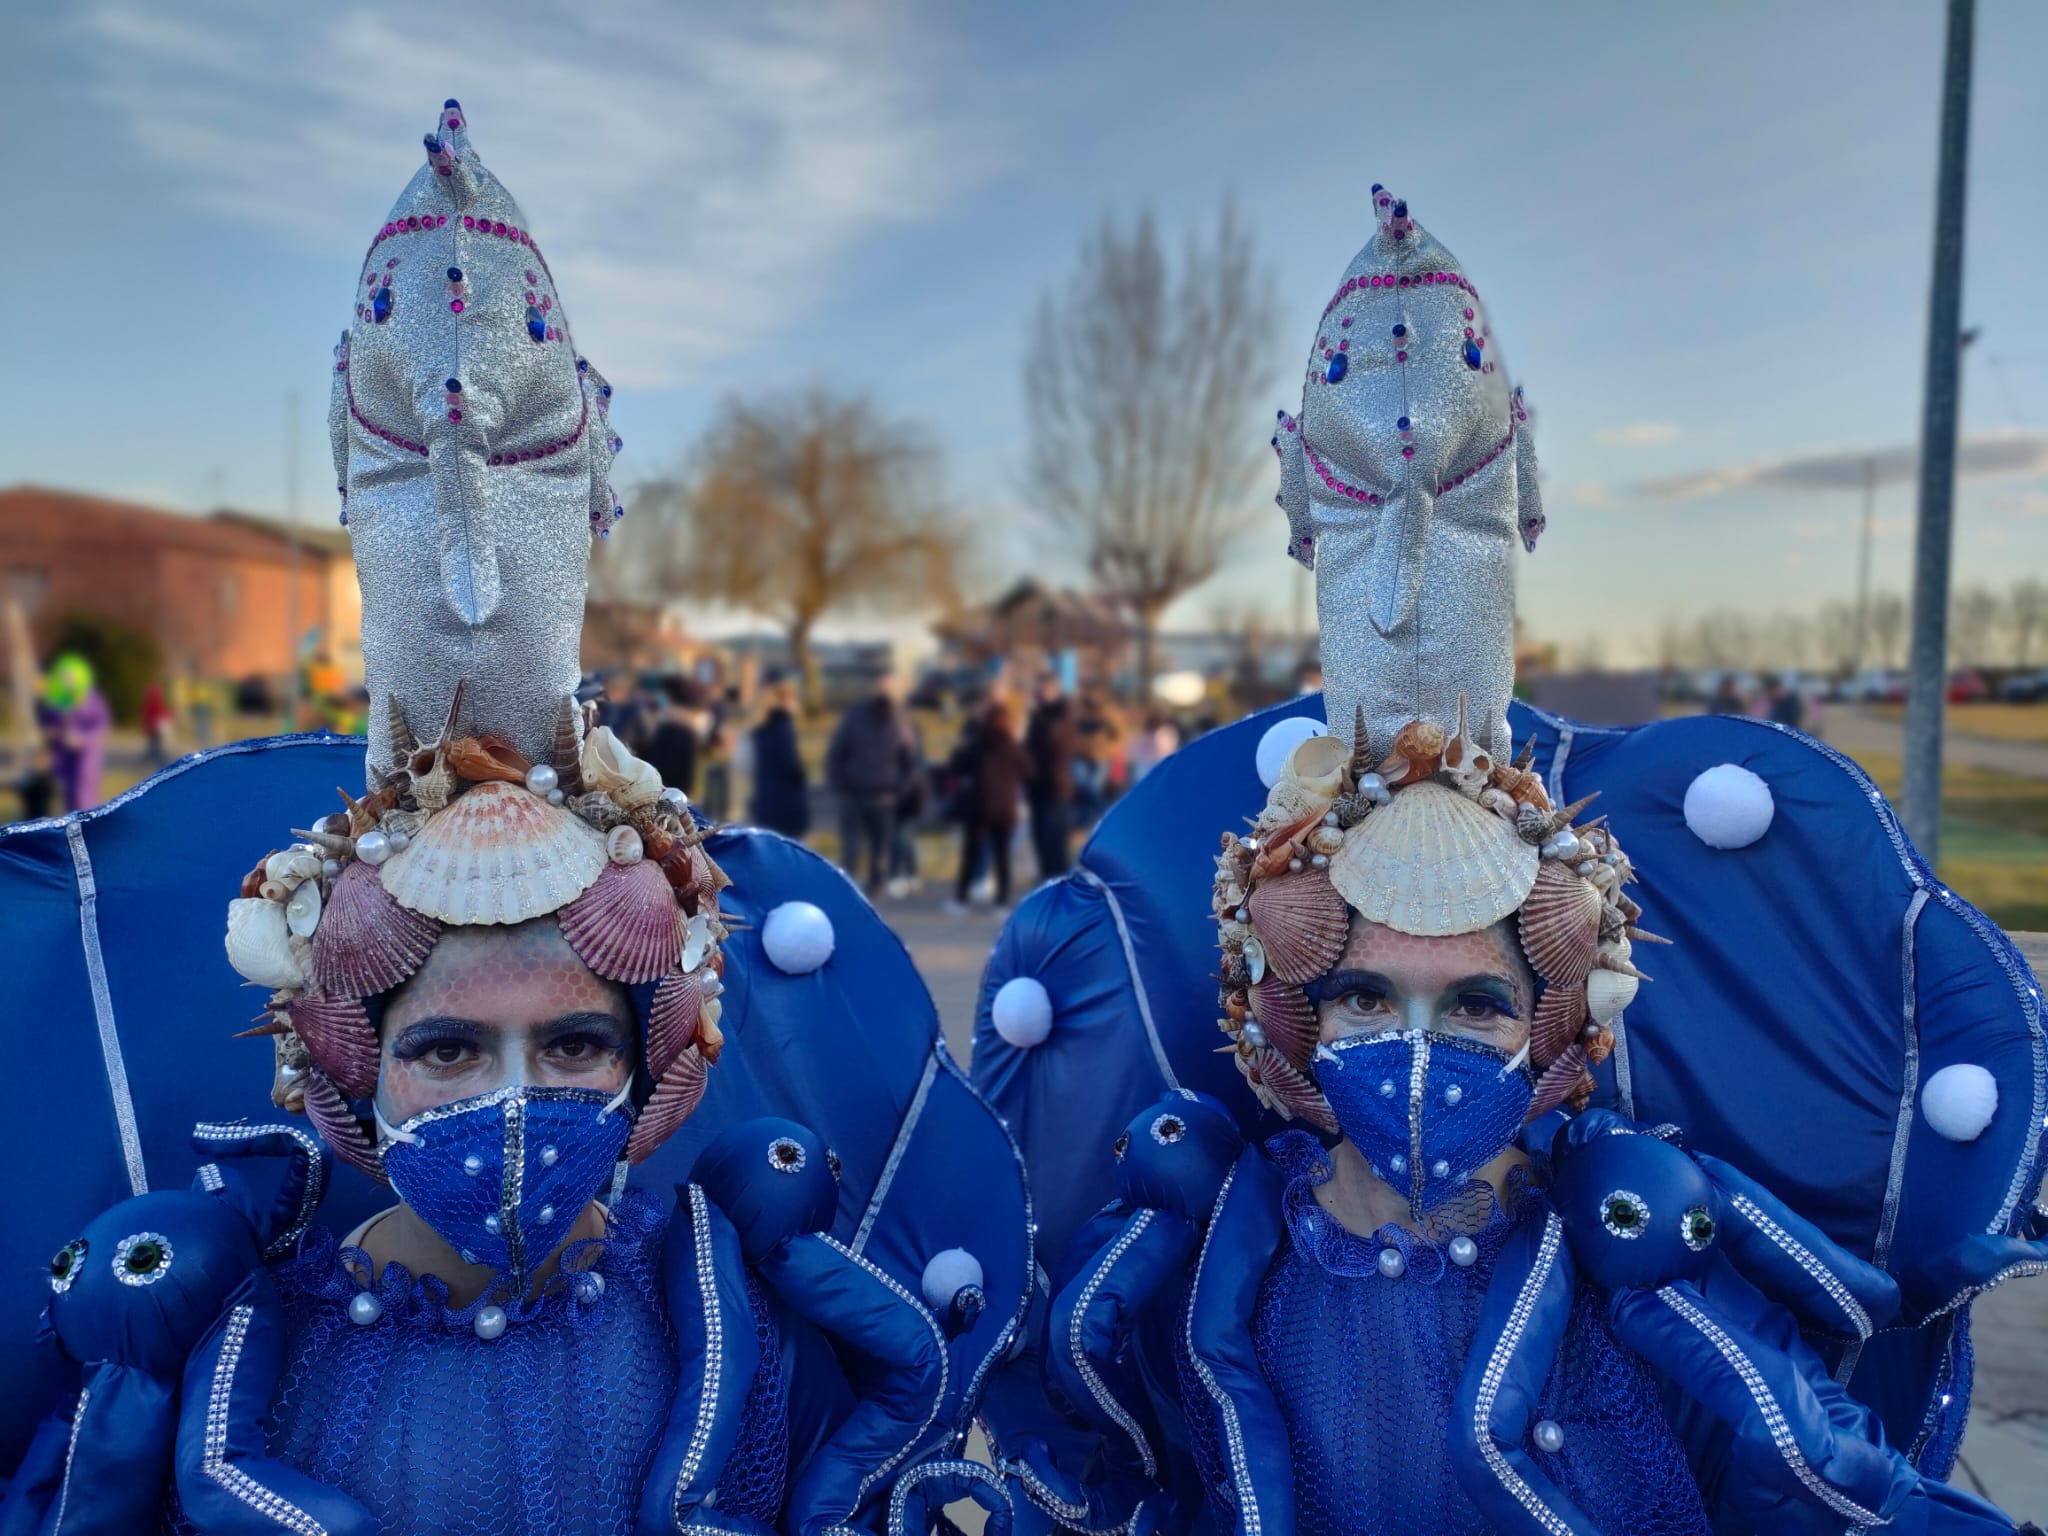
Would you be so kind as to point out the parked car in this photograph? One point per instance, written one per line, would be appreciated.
(2024, 687)
(1967, 688)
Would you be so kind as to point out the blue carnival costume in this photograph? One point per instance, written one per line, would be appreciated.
(790, 1314)
(1728, 1287)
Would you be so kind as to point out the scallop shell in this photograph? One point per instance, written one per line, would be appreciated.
(1560, 1017)
(1288, 1018)
(1281, 1087)
(627, 926)
(1560, 925)
(339, 1128)
(367, 943)
(259, 943)
(1558, 1080)
(338, 1032)
(1607, 993)
(1432, 862)
(672, 1019)
(678, 1092)
(496, 855)
(1302, 922)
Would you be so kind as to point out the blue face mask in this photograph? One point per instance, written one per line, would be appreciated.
(1427, 1110)
(504, 1175)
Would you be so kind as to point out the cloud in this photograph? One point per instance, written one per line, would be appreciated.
(697, 177)
(2023, 503)
(1991, 456)
(1590, 493)
(1847, 525)
(1638, 434)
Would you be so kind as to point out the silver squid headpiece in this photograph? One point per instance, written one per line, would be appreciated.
(472, 450)
(1406, 481)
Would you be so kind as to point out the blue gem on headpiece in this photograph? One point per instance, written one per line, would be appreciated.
(1400, 330)
(606, 391)
(1401, 425)
(455, 274)
(454, 386)
(1472, 356)
(583, 365)
(536, 323)
(1338, 368)
(450, 104)
(380, 305)
(433, 143)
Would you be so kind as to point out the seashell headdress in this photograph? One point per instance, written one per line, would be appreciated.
(473, 450)
(1407, 480)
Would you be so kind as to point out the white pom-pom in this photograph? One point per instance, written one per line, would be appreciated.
(1959, 1101)
(950, 1272)
(797, 937)
(1022, 1012)
(1728, 807)
(1279, 742)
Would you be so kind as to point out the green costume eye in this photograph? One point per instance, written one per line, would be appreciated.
(1699, 1228)
(142, 1258)
(1624, 1214)
(66, 1267)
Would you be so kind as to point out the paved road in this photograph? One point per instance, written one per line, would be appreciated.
(1857, 731)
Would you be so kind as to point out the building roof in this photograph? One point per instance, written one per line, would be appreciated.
(36, 514)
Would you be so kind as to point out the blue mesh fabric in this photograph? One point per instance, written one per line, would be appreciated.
(1364, 1369)
(753, 1482)
(544, 1431)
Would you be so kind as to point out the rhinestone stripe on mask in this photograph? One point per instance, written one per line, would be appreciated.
(1097, 1387)
(1767, 1406)
(1809, 1261)
(1496, 1372)
(214, 1461)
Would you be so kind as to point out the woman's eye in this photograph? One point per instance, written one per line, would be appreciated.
(1365, 1002)
(447, 1054)
(1479, 1008)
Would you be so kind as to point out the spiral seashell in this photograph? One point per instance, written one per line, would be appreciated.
(367, 943)
(676, 1094)
(568, 756)
(1302, 922)
(1418, 753)
(1325, 840)
(1288, 1018)
(710, 1038)
(403, 742)
(1284, 1089)
(627, 926)
(259, 943)
(343, 1044)
(339, 1128)
(496, 855)
(1560, 1019)
(1431, 862)
(1607, 993)
(486, 760)
(1280, 845)
(1560, 1078)
(1560, 925)
(609, 768)
(1599, 1044)
(672, 1019)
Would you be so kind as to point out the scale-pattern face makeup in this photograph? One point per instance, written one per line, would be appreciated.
(1457, 975)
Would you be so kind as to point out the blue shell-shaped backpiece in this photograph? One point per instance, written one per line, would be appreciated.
(1817, 979)
(122, 1004)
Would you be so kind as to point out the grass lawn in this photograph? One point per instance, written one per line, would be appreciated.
(1994, 838)
(1998, 722)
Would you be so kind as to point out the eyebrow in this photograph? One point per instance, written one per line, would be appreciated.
(584, 1018)
(1341, 983)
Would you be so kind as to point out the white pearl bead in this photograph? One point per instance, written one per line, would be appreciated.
(330, 867)
(492, 1225)
(472, 1165)
(1398, 1163)
(1453, 1094)
(364, 1309)
(490, 1322)
(556, 797)
(373, 847)
(595, 1281)
(1370, 783)
(1464, 1252)
(541, 778)
(1440, 1169)
(1386, 1088)
(547, 1214)
(1392, 1265)
(1549, 1436)
(400, 841)
(548, 1156)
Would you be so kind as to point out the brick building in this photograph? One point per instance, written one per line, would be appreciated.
(213, 591)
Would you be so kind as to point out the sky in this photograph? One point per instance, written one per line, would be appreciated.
(1704, 233)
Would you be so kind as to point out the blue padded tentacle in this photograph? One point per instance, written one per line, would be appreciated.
(1794, 1262)
(1244, 1233)
(900, 1415)
(36, 1491)
(226, 1481)
(104, 1471)
(1522, 1321)
(299, 1193)
(1799, 1442)
(1089, 1507)
(924, 1491)
(1938, 1284)
(703, 1280)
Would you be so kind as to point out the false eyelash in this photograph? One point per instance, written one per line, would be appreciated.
(416, 1042)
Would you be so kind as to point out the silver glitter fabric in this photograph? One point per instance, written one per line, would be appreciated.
(1406, 481)
(472, 450)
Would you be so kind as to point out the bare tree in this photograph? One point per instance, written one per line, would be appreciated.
(1888, 627)
(799, 506)
(2026, 610)
(1974, 617)
(1145, 393)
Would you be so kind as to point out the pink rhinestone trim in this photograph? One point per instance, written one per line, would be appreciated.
(552, 448)
(1372, 498)
(371, 427)
(1390, 280)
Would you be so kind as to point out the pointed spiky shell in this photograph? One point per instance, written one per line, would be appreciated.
(403, 742)
(627, 926)
(1288, 1017)
(568, 759)
(672, 1019)
(497, 854)
(678, 1092)
(1431, 862)
(1560, 925)
(1302, 921)
(339, 1128)
(1285, 1089)
(1560, 1019)
(338, 1033)
(367, 942)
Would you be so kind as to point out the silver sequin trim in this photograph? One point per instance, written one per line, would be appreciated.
(310, 1196)
(214, 1462)
(779, 1158)
(1642, 1211)
(1496, 1372)
(70, 1455)
(945, 1363)
(896, 1152)
(1097, 1387)
(127, 1245)
(1809, 1261)
(103, 1009)
(714, 1354)
(210, 1179)
(1123, 933)
(1767, 1406)
(1167, 1130)
(1072, 1516)
(1247, 1498)
(899, 1497)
